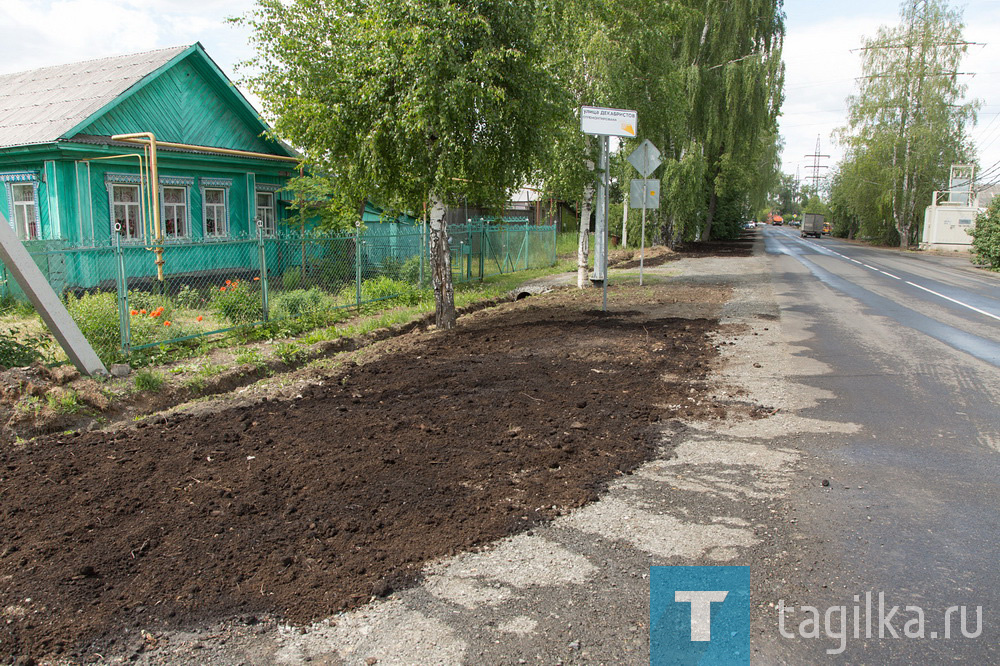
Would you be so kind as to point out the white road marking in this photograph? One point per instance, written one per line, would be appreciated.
(949, 298)
(912, 284)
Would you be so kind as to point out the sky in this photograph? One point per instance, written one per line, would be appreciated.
(821, 68)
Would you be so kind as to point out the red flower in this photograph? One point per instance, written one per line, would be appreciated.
(222, 288)
(228, 282)
(166, 323)
(134, 312)
(199, 317)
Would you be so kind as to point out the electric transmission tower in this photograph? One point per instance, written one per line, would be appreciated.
(816, 167)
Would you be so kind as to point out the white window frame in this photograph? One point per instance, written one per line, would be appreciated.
(185, 205)
(24, 214)
(29, 225)
(137, 205)
(223, 207)
(268, 214)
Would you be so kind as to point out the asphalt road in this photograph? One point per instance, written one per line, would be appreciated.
(906, 349)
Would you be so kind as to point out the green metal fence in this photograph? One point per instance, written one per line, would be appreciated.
(122, 305)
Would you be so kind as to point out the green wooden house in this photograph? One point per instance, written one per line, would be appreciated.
(65, 183)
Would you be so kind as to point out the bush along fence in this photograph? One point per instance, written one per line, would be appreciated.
(123, 304)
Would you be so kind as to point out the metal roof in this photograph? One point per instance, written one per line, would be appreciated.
(41, 105)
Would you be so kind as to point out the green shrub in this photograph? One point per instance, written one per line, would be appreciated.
(239, 303)
(192, 299)
(290, 353)
(386, 288)
(18, 349)
(391, 267)
(986, 237)
(148, 380)
(97, 316)
(292, 278)
(410, 270)
(299, 302)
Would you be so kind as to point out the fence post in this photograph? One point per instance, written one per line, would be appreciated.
(482, 250)
(555, 244)
(264, 305)
(121, 280)
(527, 248)
(357, 261)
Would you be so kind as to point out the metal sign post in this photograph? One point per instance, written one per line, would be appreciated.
(646, 160)
(605, 123)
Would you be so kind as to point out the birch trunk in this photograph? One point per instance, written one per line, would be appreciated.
(625, 222)
(440, 254)
(583, 250)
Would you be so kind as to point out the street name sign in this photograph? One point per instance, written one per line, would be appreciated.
(608, 122)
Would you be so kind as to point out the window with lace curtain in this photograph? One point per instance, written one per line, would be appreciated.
(126, 213)
(24, 212)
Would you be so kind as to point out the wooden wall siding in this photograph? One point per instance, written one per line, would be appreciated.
(185, 106)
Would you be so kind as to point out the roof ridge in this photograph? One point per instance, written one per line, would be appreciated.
(177, 48)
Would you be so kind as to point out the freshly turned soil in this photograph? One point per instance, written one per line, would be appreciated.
(302, 508)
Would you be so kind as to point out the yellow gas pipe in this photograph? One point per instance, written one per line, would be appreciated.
(149, 142)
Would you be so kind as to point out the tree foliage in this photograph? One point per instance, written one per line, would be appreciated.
(705, 77)
(907, 124)
(986, 237)
(428, 102)
(409, 102)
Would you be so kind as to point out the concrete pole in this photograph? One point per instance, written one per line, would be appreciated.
(47, 302)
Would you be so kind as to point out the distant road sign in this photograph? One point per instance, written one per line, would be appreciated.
(645, 158)
(644, 193)
(608, 122)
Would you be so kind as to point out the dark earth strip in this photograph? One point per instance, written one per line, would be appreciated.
(305, 507)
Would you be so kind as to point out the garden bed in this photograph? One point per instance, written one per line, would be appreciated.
(303, 506)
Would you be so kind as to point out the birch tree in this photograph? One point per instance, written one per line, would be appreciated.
(409, 101)
(907, 122)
